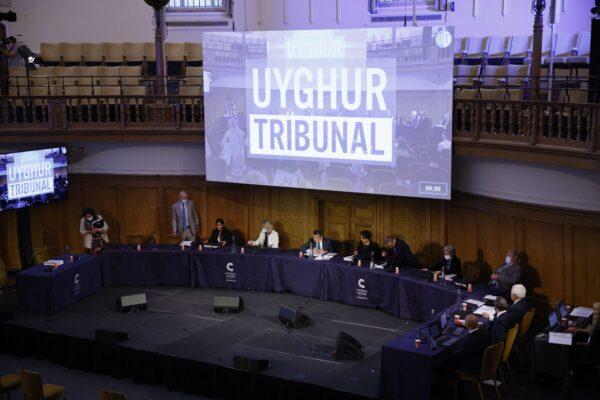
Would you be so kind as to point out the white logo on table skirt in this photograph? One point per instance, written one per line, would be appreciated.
(361, 289)
(230, 274)
(76, 285)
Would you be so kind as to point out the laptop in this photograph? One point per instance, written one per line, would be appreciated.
(449, 329)
(552, 321)
(435, 333)
(561, 310)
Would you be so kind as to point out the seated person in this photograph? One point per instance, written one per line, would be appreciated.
(468, 357)
(220, 236)
(398, 254)
(450, 263)
(508, 273)
(519, 306)
(366, 248)
(267, 238)
(501, 323)
(587, 339)
(320, 244)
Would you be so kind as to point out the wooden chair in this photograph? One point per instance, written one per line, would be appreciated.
(524, 330)
(511, 337)
(35, 389)
(136, 239)
(110, 395)
(9, 383)
(489, 368)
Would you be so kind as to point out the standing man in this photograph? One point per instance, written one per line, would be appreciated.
(397, 253)
(184, 218)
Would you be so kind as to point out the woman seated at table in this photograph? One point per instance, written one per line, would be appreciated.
(449, 263)
(267, 238)
(220, 236)
(366, 248)
(93, 228)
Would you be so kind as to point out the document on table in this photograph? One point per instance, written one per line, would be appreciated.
(487, 309)
(565, 339)
(475, 302)
(583, 312)
(490, 297)
(326, 256)
(349, 258)
(186, 243)
(450, 277)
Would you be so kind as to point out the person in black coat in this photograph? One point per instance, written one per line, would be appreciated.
(450, 263)
(468, 357)
(220, 236)
(519, 306)
(366, 248)
(398, 254)
(502, 321)
(319, 243)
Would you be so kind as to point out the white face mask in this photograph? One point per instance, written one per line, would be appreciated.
(507, 259)
(447, 257)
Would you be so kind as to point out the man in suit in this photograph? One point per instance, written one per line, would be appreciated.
(501, 322)
(319, 244)
(220, 236)
(469, 356)
(450, 263)
(184, 218)
(398, 254)
(507, 274)
(519, 305)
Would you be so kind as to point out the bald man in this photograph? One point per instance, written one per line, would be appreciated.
(469, 356)
(185, 218)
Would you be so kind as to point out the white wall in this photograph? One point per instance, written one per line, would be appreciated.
(131, 20)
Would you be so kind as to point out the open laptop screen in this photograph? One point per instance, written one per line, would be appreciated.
(435, 330)
(561, 309)
(552, 319)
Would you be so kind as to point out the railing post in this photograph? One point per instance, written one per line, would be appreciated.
(536, 62)
(536, 115)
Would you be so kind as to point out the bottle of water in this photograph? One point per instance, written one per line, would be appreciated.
(311, 255)
(372, 263)
(233, 249)
(432, 314)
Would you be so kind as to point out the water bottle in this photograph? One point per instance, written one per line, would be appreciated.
(432, 314)
(311, 255)
(233, 249)
(372, 263)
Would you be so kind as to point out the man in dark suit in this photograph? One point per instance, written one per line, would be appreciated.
(398, 254)
(450, 263)
(220, 236)
(502, 321)
(519, 306)
(469, 356)
(320, 244)
(507, 274)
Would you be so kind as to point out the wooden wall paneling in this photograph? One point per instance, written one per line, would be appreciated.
(462, 232)
(586, 271)
(409, 221)
(47, 230)
(259, 208)
(336, 222)
(141, 216)
(286, 214)
(543, 247)
(363, 216)
(497, 235)
(229, 203)
(9, 245)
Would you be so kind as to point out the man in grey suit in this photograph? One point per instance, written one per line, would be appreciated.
(508, 273)
(184, 218)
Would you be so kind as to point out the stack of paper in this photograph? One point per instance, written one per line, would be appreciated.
(450, 277)
(490, 297)
(186, 243)
(349, 258)
(326, 256)
(561, 338)
(54, 263)
(475, 302)
(583, 312)
(487, 309)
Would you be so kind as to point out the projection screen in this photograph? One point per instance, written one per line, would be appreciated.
(353, 110)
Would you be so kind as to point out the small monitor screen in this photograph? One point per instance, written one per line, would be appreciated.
(562, 310)
(33, 177)
(552, 319)
(434, 330)
(443, 320)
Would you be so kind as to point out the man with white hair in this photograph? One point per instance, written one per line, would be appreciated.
(519, 306)
(267, 238)
(184, 218)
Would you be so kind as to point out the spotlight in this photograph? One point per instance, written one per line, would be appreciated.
(9, 16)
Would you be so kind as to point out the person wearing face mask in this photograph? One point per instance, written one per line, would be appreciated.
(507, 274)
(93, 237)
(184, 218)
(450, 263)
(267, 238)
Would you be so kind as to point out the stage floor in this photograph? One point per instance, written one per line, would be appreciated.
(180, 322)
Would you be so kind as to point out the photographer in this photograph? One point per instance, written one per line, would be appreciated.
(93, 228)
(9, 51)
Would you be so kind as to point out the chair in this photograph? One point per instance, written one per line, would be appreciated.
(114, 53)
(9, 383)
(498, 49)
(134, 52)
(511, 337)
(492, 75)
(460, 48)
(581, 53)
(193, 75)
(520, 48)
(175, 52)
(65, 79)
(136, 239)
(564, 43)
(110, 395)
(109, 76)
(17, 81)
(524, 328)
(92, 53)
(193, 53)
(35, 389)
(516, 75)
(465, 74)
(71, 53)
(150, 52)
(130, 75)
(477, 48)
(489, 368)
(51, 53)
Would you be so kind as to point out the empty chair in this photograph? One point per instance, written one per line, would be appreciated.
(516, 75)
(465, 74)
(71, 53)
(92, 53)
(195, 91)
(498, 50)
(9, 383)
(17, 81)
(51, 53)
(134, 53)
(35, 389)
(114, 53)
(492, 75)
(193, 53)
(581, 53)
(546, 41)
(175, 57)
(511, 336)
(477, 48)
(130, 75)
(66, 79)
(150, 51)
(489, 369)
(138, 90)
(193, 75)
(88, 79)
(466, 93)
(564, 44)
(110, 395)
(520, 48)
(109, 76)
(460, 49)
(41, 81)
(494, 94)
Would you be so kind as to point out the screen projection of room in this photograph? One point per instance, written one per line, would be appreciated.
(353, 110)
